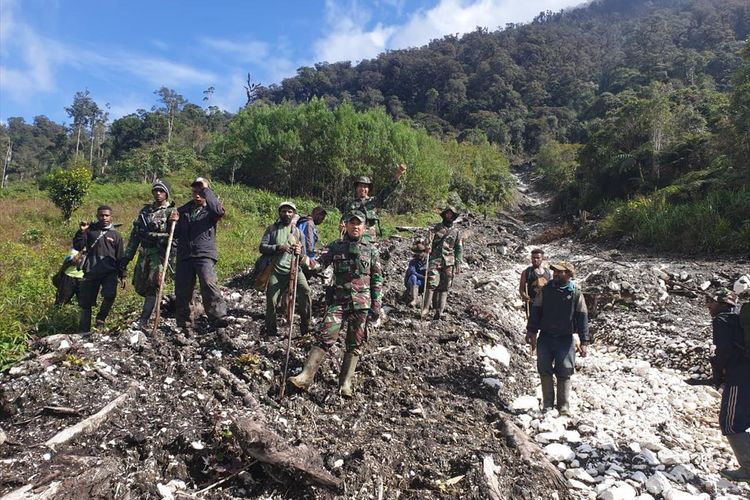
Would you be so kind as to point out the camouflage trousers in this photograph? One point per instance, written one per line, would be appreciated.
(148, 270)
(356, 333)
(440, 276)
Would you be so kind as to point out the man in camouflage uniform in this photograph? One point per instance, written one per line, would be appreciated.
(281, 241)
(445, 257)
(367, 204)
(150, 232)
(357, 300)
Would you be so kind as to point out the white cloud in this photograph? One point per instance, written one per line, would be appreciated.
(351, 39)
(243, 51)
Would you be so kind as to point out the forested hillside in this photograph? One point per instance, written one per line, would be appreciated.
(635, 110)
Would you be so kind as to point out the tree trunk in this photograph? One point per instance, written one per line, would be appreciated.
(8, 155)
(78, 140)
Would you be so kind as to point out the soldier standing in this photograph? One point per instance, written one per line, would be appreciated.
(150, 232)
(534, 277)
(356, 299)
(102, 266)
(731, 366)
(281, 240)
(197, 256)
(559, 311)
(445, 257)
(367, 204)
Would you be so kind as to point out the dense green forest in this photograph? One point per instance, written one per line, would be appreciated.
(636, 110)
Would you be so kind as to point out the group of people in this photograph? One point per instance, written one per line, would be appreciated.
(557, 317)
(101, 259)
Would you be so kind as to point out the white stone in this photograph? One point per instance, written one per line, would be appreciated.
(338, 463)
(572, 437)
(658, 484)
(634, 447)
(577, 484)
(236, 296)
(498, 353)
(197, 445)
(579, 475)
(525, 403)
(639, 477)
(622, 491)
(673, 457)
(64, 345)
(682, 473)
(649, 456)
(168, 380)
(164, 491)
(559, 452)
(675, 494)
(492, 382)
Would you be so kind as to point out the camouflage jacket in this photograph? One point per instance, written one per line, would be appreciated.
(446, 245)
(369, 206)
(357, 273)
(150, 230)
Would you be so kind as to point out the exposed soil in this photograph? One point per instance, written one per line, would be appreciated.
(429, 406)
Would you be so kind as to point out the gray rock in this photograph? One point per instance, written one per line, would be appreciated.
(621, 491)
(658, 484)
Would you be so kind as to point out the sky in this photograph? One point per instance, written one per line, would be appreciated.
(121, 51)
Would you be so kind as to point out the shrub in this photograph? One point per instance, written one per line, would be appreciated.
(67, 187)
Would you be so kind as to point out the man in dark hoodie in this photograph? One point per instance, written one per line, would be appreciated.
(196, 256)
(559, 311)
(102, 266)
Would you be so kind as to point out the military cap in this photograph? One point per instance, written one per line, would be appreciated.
(289, 204)
(362, 179)
(563, 266)
(450, 208)
(160, 184)
(356, 214)
(725, 296)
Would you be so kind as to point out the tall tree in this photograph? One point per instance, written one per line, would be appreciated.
(82, 112)
(173, 104)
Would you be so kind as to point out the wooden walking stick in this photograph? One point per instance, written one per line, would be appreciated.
(162, 277)
(425, 305)
(292, 299)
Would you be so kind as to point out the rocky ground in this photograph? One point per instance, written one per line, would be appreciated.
(442, 409)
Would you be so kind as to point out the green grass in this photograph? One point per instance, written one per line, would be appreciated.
(34, 240)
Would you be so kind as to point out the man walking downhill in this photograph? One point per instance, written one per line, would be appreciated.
(559, 312)
(356, 299)
(102, 267)
(197, 256)
(283, 240)
(367, 204)
(150, 232)
(534, 277)
(445, 257)
(731, 366)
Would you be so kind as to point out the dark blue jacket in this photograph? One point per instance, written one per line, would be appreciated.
(417, 268)
(730, 356)
(196, 228)
(559, 311)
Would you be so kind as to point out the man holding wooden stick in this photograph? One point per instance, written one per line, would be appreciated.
(150, 232)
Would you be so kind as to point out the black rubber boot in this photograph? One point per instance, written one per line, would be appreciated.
(442, 299)
(347, 374)
(101, 316)
(149, 303)
(313, 362)
(548, 392)
(740, 444)
(84, 321)
(563, 395)
(427, 301)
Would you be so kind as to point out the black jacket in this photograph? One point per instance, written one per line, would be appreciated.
(196, 228)
(730, 359)
(104, 251)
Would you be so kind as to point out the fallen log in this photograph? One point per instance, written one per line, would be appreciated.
(96, 481)
(488, 467)
(532, 454)
(93, 422)
(268, 447)
(237, 384)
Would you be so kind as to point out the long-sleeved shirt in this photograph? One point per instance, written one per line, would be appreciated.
(730, 358)
(310, 233)
(104, 250)
(417, 267)
(447, 245)
(369, 206)
(278, 234)
(196, 228)
(150, 230)
(558, 311)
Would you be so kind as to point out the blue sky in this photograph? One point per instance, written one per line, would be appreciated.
(121, 51)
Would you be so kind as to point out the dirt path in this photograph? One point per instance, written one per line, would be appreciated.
(431, 398)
